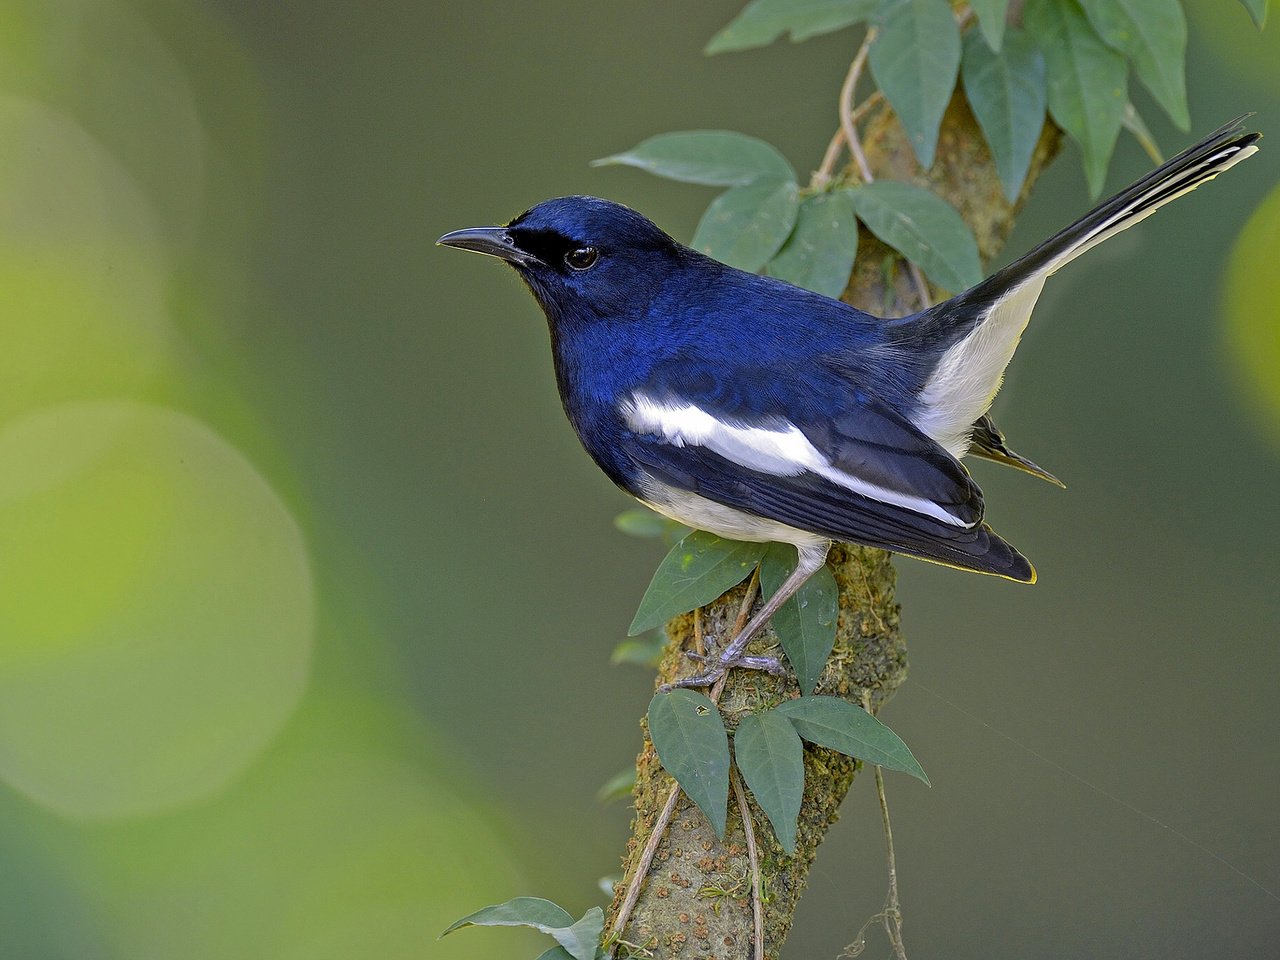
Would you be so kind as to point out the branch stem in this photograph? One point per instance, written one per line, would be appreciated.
(663, 820)
(847, 91)
(753, 857)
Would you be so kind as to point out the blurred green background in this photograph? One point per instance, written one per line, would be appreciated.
(307, 592)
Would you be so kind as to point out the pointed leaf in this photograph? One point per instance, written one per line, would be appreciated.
(806, 623)
(762, 21)
(521, 912)
(1153, 33)
(914, 60)
(617, 786)
(688, 733)
(820, 252)
(839, 725)
(717, 158)
(644, 651)
(1257, 10)
(1007, 94)
(924, 228)
(770, 756)
(746, 226)
(582, 938)
(1086, 79)
(1134, 123)
(641, 522)
(991, 18)
(698, 569)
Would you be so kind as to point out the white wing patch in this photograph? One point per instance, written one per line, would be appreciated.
(781, 451)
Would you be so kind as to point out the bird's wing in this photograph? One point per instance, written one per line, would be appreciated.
(865, 475)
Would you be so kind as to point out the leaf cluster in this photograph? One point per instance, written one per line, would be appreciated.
(1072, 57)
(809, 238)
(687, 728)
(1069, 59)
(701, 566)
(689, 735)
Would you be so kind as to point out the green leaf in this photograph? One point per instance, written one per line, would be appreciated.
(770, 756)
(805, 624)
(717, 158)
(582, 939)
(744, 227)
(1086, 81)
(922, 227)
(698, 569)
(641, 522)
(1153, 33)
(763, 21)
(688, 733)
(521, 912)
(617, 786)
(839, 725)
(1257, 10)
(820, 252)
(914, 60)
(644, 651)
(1007, 94)
(991, 18)
(1134, 123)
(556, 953)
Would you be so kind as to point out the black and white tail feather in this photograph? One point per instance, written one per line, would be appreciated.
(977, 331)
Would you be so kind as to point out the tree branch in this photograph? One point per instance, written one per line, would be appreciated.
(696, 899)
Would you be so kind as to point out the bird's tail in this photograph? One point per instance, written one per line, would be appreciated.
(974, 334)
(1219, 151)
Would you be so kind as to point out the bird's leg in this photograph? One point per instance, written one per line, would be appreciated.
(811, 557)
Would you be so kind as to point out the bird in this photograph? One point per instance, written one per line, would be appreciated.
(756, 410)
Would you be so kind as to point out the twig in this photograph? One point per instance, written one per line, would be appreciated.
(891, 915)
(663, 819)
(757, 905)
(850, 128)
(892, 907)
(826, 172)
(922, 288)
(753, 586)
(646, 860)
(847, 90)
(865, 106)
(823, 175)
(699, 647)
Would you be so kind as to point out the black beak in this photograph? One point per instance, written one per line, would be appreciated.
(491, 241)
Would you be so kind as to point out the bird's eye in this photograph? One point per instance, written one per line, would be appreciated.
(582, 258)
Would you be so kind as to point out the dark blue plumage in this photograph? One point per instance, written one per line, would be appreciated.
(757, 410)
(654, 315)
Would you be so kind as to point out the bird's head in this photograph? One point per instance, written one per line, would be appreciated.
(581, 256)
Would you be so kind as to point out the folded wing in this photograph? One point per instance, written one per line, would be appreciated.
(862, 474)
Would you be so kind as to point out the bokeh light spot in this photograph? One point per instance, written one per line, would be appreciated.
(155, 609)
(1253, 308)
(355, 838)
(81, 267)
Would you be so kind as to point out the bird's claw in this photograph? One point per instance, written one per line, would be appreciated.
(719, 666)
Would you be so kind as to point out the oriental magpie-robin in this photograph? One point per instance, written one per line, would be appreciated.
(756, 410)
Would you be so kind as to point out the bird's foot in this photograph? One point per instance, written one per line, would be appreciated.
(718, 666)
